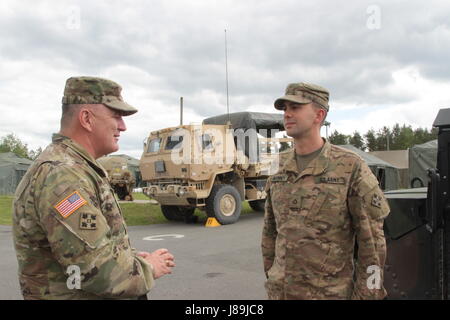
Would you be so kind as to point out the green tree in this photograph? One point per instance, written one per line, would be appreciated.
(423, 135)
(397, 138)
(338, 138)
(383, 139)
(371, 140)
(357, 140)
(11, 143)
(404, 139)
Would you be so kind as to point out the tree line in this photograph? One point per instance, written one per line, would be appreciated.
(11, 143)
(395, 138)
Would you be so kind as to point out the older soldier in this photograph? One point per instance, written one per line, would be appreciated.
(323, 230)
(69, 233)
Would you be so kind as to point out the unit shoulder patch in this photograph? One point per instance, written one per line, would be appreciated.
(88, 221)
(376, 200)
(70, 204)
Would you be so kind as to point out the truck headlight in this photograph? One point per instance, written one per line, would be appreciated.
(181, 192)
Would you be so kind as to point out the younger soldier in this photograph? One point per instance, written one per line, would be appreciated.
(322, 206)
(70, 236)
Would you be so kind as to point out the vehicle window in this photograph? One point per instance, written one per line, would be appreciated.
(174, 142)
(207, 142)
(154, 145)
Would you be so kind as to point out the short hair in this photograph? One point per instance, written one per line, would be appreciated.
(68, 111)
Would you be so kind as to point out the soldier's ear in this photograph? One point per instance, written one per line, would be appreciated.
(320, 115)
(86, 119)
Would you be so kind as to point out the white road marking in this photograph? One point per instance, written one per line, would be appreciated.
(160, 236)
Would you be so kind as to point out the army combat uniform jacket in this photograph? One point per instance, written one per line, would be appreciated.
(323, 229)
(69, 233)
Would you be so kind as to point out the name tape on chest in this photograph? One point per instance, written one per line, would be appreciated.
(332, 180)
(280, 178)
(70, 204)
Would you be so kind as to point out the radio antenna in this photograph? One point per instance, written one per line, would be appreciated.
(226, 75)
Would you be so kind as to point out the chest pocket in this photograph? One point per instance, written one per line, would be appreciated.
(282, 199)
(324, 210)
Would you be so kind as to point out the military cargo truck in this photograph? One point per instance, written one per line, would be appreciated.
(120, 177)
(213, 166)
(418, 230)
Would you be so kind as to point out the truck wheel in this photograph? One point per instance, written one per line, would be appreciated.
(413, 183)
(257, 205)
(176, 213)
(224, 204)
(121, 192)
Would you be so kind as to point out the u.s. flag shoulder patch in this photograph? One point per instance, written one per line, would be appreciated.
(70, 204)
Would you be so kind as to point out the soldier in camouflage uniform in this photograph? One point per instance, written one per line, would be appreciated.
(70, 236)
(323, 229)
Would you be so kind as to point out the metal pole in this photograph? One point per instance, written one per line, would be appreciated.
(226, 73)
(181, 111)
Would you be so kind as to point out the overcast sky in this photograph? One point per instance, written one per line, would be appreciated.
(384, 62)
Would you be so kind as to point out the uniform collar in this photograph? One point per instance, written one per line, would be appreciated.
(316, 167)
(59, 138)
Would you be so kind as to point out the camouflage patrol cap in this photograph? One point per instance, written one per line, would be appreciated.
(304, 93)
(92, 90)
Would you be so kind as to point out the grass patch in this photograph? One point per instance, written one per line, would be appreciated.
(6, 210)
(135, 214)
(139, 196)
(246, 208)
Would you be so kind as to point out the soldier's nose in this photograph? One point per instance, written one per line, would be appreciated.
(287, 114)
(121, 125)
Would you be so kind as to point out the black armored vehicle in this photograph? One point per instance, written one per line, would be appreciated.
(418, 230)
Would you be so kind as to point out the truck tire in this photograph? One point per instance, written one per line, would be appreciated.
(176, 213)
(257, 205)
(224, 204)
(121, 192)
(413, 183)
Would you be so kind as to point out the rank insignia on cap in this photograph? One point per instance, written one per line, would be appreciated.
(88, 221)
(70, 204)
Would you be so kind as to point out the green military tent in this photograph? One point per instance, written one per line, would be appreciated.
(12, 169)
(421, 158)
(387, 174)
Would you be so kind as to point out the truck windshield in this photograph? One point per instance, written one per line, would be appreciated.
(206, 142)
(174, 142)
(154, 145)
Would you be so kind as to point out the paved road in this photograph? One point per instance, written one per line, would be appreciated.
(212, 263)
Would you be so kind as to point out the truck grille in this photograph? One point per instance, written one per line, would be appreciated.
(166, 182)
(198, 185)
